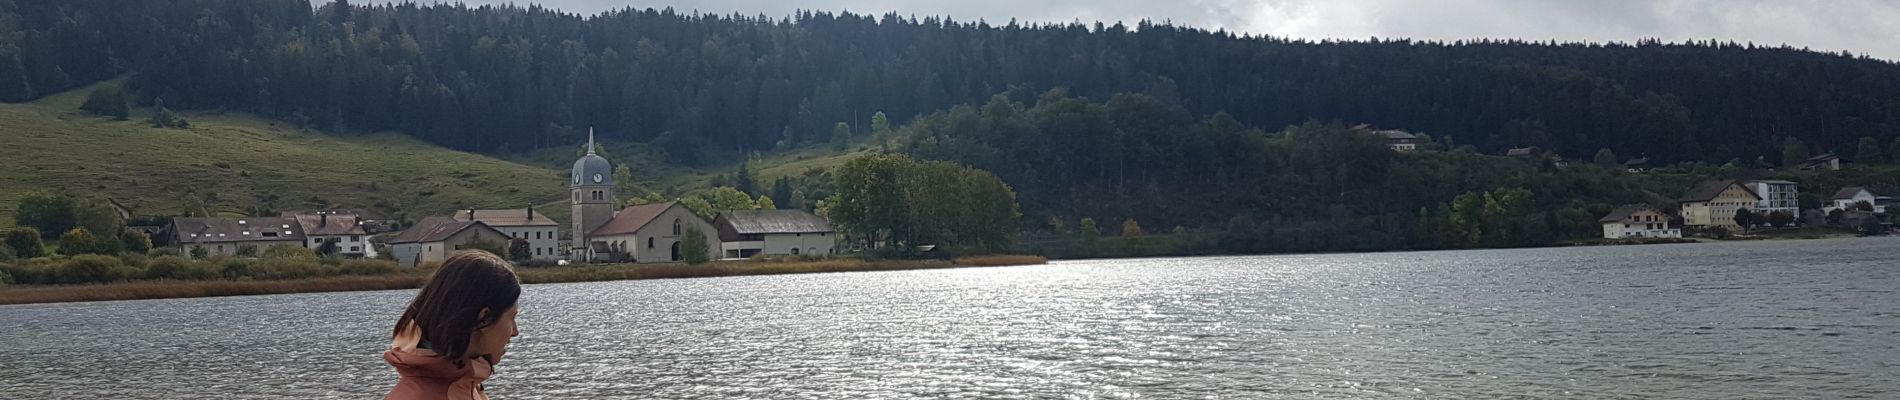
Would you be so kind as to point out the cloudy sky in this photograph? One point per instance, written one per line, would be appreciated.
(1861, 26)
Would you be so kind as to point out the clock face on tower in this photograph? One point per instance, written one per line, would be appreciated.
(597, 178)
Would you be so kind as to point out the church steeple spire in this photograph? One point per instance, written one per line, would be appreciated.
(590, 140)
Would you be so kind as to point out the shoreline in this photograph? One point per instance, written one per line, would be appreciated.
(175, 289)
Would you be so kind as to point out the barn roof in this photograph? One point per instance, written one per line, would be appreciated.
(220, 230)
(774, 221)
(436, 229)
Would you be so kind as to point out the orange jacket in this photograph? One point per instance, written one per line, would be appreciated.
(427, 377)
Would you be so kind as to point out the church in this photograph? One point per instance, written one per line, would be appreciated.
(647, 233)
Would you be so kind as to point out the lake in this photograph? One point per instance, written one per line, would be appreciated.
(1781, 319)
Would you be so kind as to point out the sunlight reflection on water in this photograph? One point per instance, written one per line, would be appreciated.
(1768, 319)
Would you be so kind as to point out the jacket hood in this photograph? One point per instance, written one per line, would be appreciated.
(423, 363)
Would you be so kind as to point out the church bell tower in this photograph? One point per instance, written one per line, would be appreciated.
(592, 196)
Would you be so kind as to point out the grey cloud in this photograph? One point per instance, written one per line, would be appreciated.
(1861, 26)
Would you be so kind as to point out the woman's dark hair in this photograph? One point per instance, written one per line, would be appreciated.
(450, 306)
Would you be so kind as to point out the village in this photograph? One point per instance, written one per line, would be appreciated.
(662, 232)
(1715, 209)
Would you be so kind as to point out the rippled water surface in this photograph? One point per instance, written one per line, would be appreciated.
(1795, 319)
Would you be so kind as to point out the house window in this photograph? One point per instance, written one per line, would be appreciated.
(676, 226)
(355, 249)
(794, 251)
(649, 243)
(577, 197)
(355, 238)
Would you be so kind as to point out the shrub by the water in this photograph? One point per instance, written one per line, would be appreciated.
(285, 251)
(134, 260)
(81, 241)
(287, 268)
(5, 279)
(91, 268)
(174, 267)
(25, 242)
(136, 242)
(31, 271)
(234, 268)
(367, 267)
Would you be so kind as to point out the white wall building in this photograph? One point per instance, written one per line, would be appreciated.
(346, 229)
(1847, 197)
(743, 234)
(542, 233)
(1637, 221)
(1776, 196)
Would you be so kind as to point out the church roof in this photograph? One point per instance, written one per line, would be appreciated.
(591, 166)
(631, 219)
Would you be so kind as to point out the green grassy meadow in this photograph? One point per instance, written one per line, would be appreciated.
(233, 163)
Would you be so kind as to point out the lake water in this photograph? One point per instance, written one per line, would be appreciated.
(1788, 319)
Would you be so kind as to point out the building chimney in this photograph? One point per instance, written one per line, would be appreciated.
(530, 212)
(471, 214)
(323, 220)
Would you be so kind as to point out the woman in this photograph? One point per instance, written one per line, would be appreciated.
(456, 329)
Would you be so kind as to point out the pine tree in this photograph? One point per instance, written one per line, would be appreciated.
(1606, 158)
(841, 136)
(1869, 152)
(694, 249)
(1793, 152)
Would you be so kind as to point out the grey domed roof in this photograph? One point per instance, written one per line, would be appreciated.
(592, 169)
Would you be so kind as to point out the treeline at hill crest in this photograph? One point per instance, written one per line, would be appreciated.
(502, 79)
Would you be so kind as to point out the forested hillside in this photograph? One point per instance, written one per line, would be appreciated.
(1182, 130)
(508, 79)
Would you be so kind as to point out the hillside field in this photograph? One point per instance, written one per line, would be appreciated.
(236, 164)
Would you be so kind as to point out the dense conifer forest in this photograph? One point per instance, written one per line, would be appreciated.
(1171, 126)
(508, 78)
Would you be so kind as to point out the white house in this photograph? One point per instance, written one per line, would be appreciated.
(1847, 197)
(432, 239)
(346, 229)
(1397, 140)
(1637, 221)
(541, 232)
(650, 233)
(743, 234)
(1776, 196)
